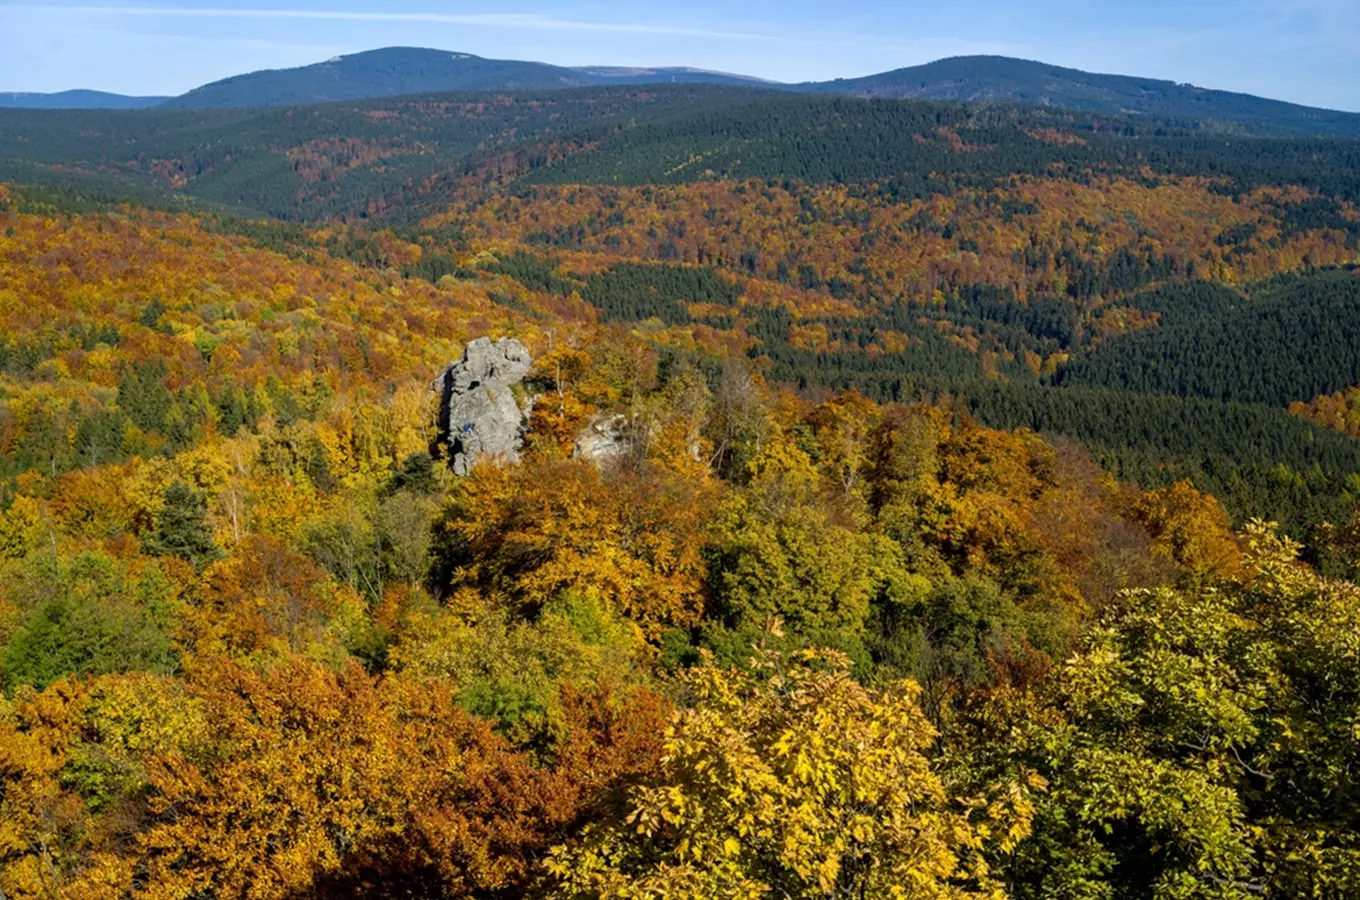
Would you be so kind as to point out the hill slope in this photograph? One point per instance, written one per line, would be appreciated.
(336, 159)
(972, 78)
(407, 154)
(75, 100)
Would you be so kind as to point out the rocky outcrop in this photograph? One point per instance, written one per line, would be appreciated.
(605, 439)
(479, 416)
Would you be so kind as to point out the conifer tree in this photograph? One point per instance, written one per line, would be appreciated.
(182, 528)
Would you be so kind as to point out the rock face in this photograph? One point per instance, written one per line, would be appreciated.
(478, 413)
(603, 440)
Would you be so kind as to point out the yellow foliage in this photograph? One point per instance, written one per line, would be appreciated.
(795, 781)
(20, 527)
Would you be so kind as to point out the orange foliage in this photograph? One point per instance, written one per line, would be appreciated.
(264, 594)
(271, 314)
(548, 527)
(1190, 527)
(901, 249)
(1339, 411)
(318, 782)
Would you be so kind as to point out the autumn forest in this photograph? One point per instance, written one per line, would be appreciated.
(912, 500)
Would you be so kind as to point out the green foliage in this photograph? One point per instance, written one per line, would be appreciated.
(1172, 744)
(345, 544)
(822, 139)
(1136, 742)
(779, 553)
(1235, 451)
(512, 671)
(417, 474)
(631, 292)
(1189, 302)
(537, 273)
(150, 316)
(1290, 342)
(947, 638)
(142, 394)
(87, 616)
(182, 527)
(21, 355)
(236, 160)
(403, 524)
(798, 566)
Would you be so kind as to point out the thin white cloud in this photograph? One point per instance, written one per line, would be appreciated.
(528, 21)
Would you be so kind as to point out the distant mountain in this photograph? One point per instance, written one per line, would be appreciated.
(1000, 78)
(75, 100)
(400, 71)
(389, 72)
(395, 71)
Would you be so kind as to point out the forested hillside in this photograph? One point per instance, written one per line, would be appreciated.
(1001, 78)
(327, 160)
(909, 500)
(1293, 338)
(406, 157)
(231, 564)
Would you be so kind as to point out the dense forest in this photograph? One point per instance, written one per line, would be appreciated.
(981, 517)
(404, 157)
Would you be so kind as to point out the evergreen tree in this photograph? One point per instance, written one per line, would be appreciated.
(182, 528)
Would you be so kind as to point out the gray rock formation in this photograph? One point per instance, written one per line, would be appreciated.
(605, 439)
(478, 413)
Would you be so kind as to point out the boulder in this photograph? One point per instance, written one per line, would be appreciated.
(478, 414)
(605, 439)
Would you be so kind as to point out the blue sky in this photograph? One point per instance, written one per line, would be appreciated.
(1307, 51)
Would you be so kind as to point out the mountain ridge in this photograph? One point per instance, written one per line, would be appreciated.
(397, 71)
(75, 99)
(402, 71)
(1034, 83)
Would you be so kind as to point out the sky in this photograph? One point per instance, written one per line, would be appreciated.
(1305, 51)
